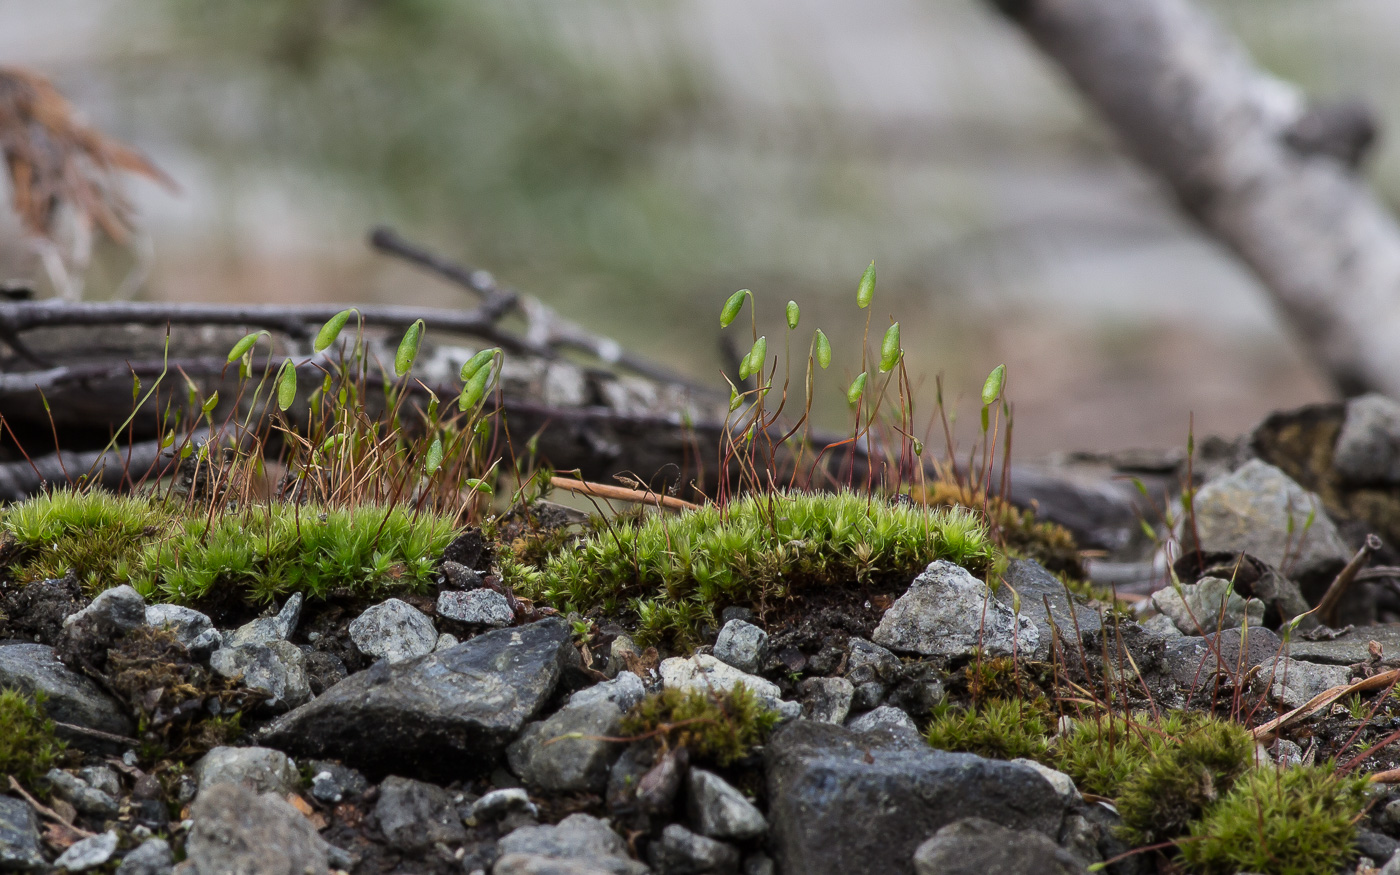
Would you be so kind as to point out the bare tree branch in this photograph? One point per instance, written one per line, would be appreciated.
(1233, 143)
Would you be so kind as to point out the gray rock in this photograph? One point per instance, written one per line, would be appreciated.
(624, 691)
(1193, 662)
(1161, 626)
(567, 752)
(889, 722)
(759, 864)
(476, 607)
(719, 811)
(498, 803)
(453, 710)
(1350, 648)
(191, 628)
(1368, 446)
(72, 698)
(266, 630)
(620, 651)
(1063, 784)
(1208, 605)
(948, 612)
(239, 832)
(1292, 682)
(102, 778)
(1249, 511)
(827, 699)
(871, 669)
(824, 782)
(742, 645)
(332, 782)
(393, 630)
(446, 640)
(19, 836)
(85, 798)
(414, 815)
(261, 769)
(704, 672)
(578, 839)
(974, 846)
(1067, 615)
(89, 853)
(277, 668)
(681, 852)
(120, 608)
(152, 857)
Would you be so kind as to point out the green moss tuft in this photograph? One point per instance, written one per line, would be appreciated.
(28, 748)
(1294, 821)
(91, 534)
(1002, 729)
(1175, 787)
(718, 727)
(671, 573)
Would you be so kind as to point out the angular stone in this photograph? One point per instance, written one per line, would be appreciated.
(827, 700)
(19, 836)
(476, 607)
(393, 630)
(191, 628)
(89, 853)
(1208, 605)
(1063, 784)
(742, 645)
(975, 846)
(1292, 682)
(704, 672)
(87, 799)
(1067, 615)
(624, 691)
(261, 769)
(567, 752)
(578, 839)
(121, 608)
(414, 815)
(1349, 648)
(1193, 662)
(871, 668)
(72, 698)
(239, 832)
(448, 712)
(682, 852)
(889, 722)
(948, 612)
(265, 630)
(1249, 510)
(498, 803)
(332, 782)
(1368, 446)
(719, 811)
(153, 857)
(277, 668)
(842, 802)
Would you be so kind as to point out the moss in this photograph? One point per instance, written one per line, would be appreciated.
(268, 550)
(713, 726)
(1294, 821)
(671, 573)
(1001, 729)
(28, 748)
(1104, 752)
(1018, 530)
(1177, 785)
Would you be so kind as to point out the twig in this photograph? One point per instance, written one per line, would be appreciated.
(1266, 731)
(45, 811)
(98, 733)
(1327, 606)
(621, 493)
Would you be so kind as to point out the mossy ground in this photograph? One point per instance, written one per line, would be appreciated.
(175, 554)
(28, 748)
(717, 727)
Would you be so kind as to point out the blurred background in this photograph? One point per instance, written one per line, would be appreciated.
(632, 163)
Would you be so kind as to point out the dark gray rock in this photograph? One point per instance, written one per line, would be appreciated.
(261, 769)
(742, 645)
(826, 699)
(240, 832)
(332, 782)
(19, 836)
(152, 857)
(191, 628)
(578, 839)
(1350, 648)
(88, 853)
(498, 803)
(759, 864)
(681, 852)
(1368, 446)
(975, 846)
(719, 811)
(624, 691)
(476, 607)
(568, 752)
(413, 815)
(1249, 510)
(843, 802)
(277, 668)
(72, 698)
(1067, 613)
(102, 778)
(890, 723)
(393, 630)
(1193, 662)
(120, 608)
(323, 670)
(266, 630)
(948, 612)
(450, 711)
(87, 799)
(871, 669)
